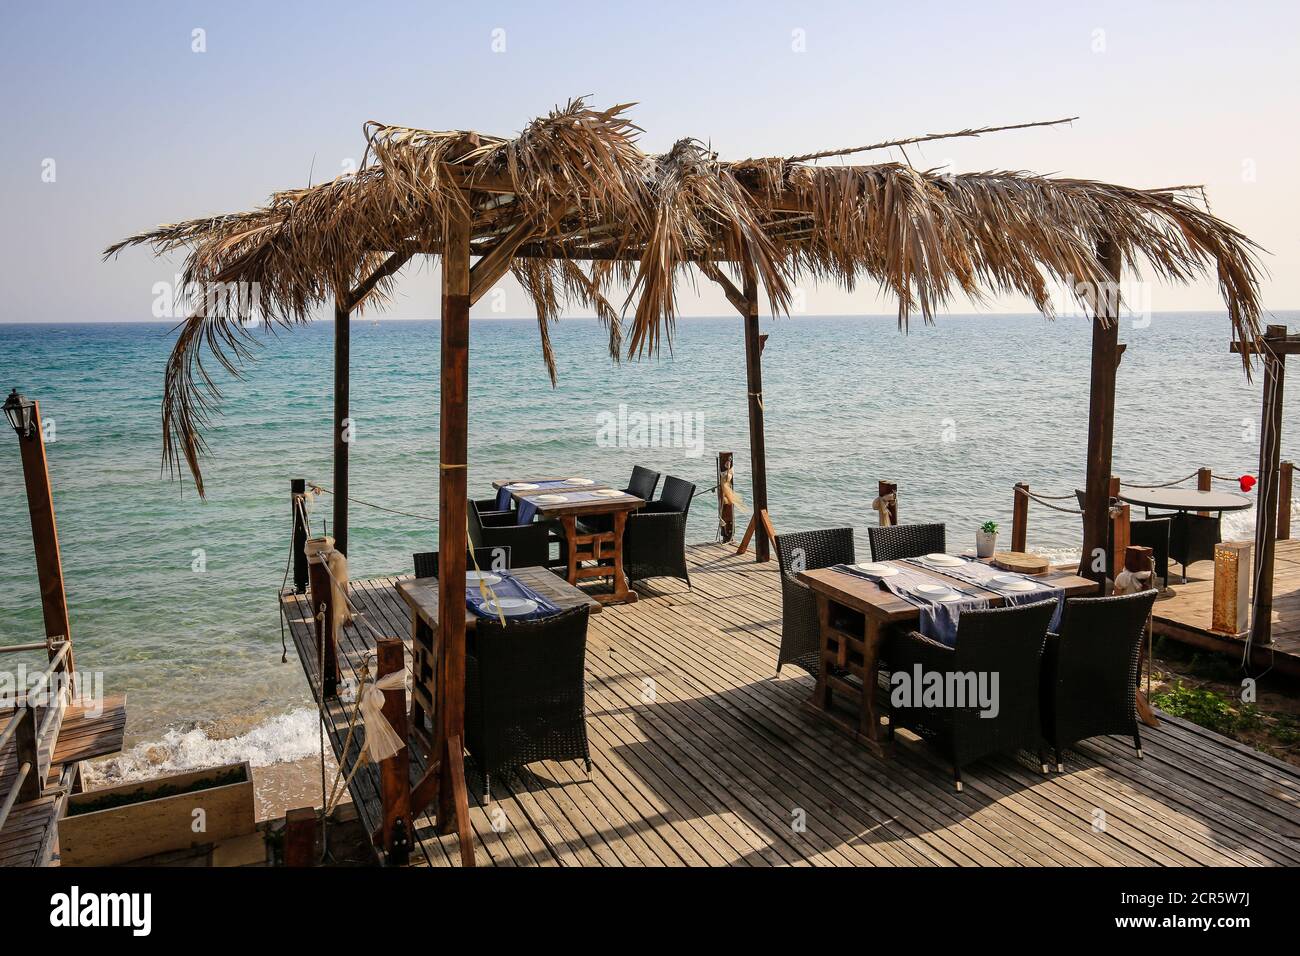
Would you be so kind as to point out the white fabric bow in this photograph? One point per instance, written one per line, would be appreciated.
(382, 741)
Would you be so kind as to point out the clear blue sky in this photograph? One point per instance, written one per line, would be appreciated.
(143, 130)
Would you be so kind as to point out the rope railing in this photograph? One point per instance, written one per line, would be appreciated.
(1046, 500)
(321, 489)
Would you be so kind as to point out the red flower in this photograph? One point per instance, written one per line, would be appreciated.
(1247, 482)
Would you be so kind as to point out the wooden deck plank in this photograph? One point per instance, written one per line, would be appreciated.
(709, 769)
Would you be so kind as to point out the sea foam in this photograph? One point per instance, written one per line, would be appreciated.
(279, 739)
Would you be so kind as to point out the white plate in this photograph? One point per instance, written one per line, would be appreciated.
(608, 493)
(487, 577)
(948, 560)
(880, 570)
(1018, 585)
(933, 590)
(578, 481)
(510, 607)
(523, 486)
(954, 596)
(549, 499)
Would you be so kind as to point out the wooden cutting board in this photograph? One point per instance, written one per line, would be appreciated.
(1021, 562)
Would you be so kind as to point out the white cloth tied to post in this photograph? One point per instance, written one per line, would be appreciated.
(881, 505)
(1131, 582)
(382, 741)
(322, 551)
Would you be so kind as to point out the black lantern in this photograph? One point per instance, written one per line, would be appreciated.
(20, 412)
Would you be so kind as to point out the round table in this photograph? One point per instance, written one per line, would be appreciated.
(1185, 499)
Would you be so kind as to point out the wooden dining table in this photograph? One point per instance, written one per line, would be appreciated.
(421, 596)
(842, 600)
(591, 553)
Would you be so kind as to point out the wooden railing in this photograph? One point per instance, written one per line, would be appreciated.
(1204, 477)
(29, 783)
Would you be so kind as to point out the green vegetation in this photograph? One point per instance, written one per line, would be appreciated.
(1209, 709)
(989, 527)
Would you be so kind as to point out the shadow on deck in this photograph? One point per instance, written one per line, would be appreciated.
(702, 757)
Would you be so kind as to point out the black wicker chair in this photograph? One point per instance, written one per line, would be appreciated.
(800, 628)
(529, 544)
(654, 538)
(1192, 537)
(1006, 641)
(906, 541)
(524, 693)
(496, 559)
(642, 484)
(1153, 533)
(1090, 670)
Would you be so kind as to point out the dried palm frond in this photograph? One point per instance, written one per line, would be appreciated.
(583, 212)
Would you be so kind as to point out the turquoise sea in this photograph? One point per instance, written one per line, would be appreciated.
(955, 413)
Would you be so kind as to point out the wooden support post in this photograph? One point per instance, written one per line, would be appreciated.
(45, 539)
(322, 597)
(298, 488)
(395, 772)
(452, 811)
(1286, 471)
(1266, 505)
(1119, 536)
(1230, 611)
(27, 751)
(342, 397)
(889, 491)
(300, 837)
(726, 510)
(1204, 479)
(1020, 517)
(1101, 413)
(754, 384)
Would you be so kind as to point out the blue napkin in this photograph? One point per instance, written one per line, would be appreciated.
(508, 587)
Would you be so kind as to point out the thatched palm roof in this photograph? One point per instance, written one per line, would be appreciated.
(577, 210)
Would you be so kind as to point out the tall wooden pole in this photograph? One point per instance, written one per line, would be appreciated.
(342, 395)
(45, 535)
(453, 430)
(754, 382)
(1270, 445)
(1101, 416)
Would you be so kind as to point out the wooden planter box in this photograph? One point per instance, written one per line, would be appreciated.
(146, 817)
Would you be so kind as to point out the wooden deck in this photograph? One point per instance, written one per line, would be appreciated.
(703, 758)
(1184, 615)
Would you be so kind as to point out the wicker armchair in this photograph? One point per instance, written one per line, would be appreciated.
(529, 544)
(525, 693)
(1090, 670)
(1006, 641)
(1153, 533)
(642, 485)
(906, 541)
(800, 627)
(496, 559)
(654, 538)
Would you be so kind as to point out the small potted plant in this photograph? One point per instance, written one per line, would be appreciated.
(986, 539)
